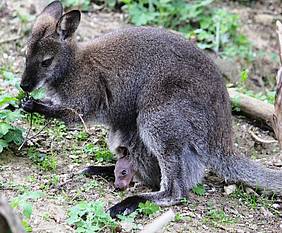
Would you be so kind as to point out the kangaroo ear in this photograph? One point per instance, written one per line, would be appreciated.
(46, 22)
(68, 24)
(54, 9)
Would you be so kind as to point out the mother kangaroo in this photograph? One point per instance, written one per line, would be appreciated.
(157, 93)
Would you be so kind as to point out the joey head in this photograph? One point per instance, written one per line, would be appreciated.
(162, 94)
(124, 173)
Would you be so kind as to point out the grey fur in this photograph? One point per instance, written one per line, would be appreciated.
(164, 97)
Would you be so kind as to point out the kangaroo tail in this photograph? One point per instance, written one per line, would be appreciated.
(244, 170)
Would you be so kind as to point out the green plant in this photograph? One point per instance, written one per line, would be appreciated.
(23, 203)
(90, 217)
(44, 161)
(101, 153)
(199, 190)
(252, 199)
(9, 132)
(128, 221)
(148, 208)
(212, 28)
(82, 4)
(82, 136)
(178, 217)
(216, 217)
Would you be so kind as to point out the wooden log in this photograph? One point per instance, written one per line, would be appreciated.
(9, 222)
(157, 224)
(254, 108)
(277, 115)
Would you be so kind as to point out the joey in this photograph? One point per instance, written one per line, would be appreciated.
(124, 173)
(156, 91)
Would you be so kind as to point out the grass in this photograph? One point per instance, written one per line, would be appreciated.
(253, 200)
(217, 217)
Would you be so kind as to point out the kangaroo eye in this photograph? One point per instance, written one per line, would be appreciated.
(47, 62)
(124, 172)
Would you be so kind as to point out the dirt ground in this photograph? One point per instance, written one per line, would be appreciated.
(242, 212)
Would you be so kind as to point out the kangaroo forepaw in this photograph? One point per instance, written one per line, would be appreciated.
(127, 206)
(28, 105)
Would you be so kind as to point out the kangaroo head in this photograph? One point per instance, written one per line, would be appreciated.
(50, 50)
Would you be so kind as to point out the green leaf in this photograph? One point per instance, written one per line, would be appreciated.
(27, 209)
(199, 190)
(4, 128)
(7, 75)
(12, 116)
(26, 226)
(7, 100)
(244, 75)
(38, 93)
(15, 135)
(148, 208)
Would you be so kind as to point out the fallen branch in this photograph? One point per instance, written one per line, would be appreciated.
(159, 222)
(277, 115)
(258, 139)
(10, 39)
(9, 222)
(252, 107)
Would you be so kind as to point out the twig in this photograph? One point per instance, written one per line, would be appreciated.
(48, 122)
(159, 222)
(258, 139)
(80, 117)
(28, 132)
(10, 39)
(35, 135)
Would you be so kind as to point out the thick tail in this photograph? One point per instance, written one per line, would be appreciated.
(244, 170)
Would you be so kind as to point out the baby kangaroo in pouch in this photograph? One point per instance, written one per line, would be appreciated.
(155, 91)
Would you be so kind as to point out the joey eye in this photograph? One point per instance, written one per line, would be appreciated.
(47, 62)
(124, 172)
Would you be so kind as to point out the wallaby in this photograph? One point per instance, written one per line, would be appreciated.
(149, 83)
(124, 173)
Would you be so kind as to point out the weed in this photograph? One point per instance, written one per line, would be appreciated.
(148, 208)
(212, 28)
(178, 217)
(82, 136)
(82, 4)
(90, 217)
(252, 199)
(199, 190)
(216, 217)
(44, 161)
(9, 132)
(23, 203)
(128, 221)
(101, 153)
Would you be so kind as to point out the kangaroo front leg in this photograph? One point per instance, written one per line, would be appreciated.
(49, 110)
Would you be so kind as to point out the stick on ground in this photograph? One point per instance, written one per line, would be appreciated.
(157, 224)
(252, 107)
(277, 116)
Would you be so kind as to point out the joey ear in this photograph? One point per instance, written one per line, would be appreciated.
(68, 24)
